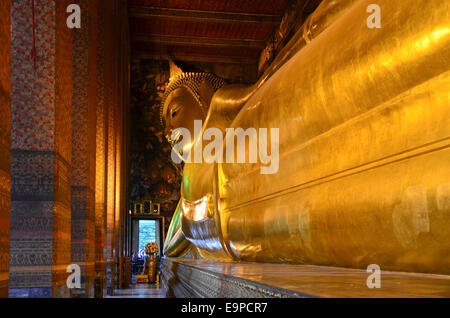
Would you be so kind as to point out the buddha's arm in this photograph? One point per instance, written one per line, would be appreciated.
(176, 244)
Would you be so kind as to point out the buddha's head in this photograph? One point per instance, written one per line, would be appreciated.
(186, 99)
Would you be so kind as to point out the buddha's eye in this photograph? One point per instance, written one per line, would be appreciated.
(174, 114)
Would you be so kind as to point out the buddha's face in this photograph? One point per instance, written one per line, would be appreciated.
(180, 110)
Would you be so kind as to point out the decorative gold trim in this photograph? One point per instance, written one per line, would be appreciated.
(136, 208)
(153, 209)
(150, 207)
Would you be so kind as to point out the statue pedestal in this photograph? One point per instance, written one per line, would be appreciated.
(142, 279)
(183, 278)
(149, 274)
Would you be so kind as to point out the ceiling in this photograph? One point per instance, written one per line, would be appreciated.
(212, 31)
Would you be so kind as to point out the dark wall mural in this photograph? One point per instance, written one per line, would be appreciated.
(154, 176)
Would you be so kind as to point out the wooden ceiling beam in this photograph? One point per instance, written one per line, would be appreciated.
(202, 16)
(197, 41)
(193, 58)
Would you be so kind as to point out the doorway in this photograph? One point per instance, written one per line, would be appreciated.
(144, 231)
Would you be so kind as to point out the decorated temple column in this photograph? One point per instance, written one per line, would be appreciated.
(111, 147)
(5, 142)
(123, 84)
(41, 107)
(101, 148)
(62, 153)
(84, 146)
(110, 201)
(116, 96)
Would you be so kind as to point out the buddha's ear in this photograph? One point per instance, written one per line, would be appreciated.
(206, 92)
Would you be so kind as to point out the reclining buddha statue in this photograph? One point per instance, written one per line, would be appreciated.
(363, 174)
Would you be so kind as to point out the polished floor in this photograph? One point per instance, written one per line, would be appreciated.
(321, 281)
(140, 291)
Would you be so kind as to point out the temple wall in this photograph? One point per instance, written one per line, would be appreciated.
(63, 161)
(110, 176)
(63, 147)
(116, 98)
(83, 145)
(5, 143)
(101, 147)
(41, 158)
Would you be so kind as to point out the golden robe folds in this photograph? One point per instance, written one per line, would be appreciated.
(364, 171)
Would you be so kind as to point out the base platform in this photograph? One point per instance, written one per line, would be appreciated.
(183, 278)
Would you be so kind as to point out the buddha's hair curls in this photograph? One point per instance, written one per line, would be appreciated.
(192, 82)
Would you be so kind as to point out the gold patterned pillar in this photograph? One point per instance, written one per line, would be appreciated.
(41, 116)
(116, 72)
(93, 101)
(111, 145)
(84, 146)
(123, 87)
(118, 148)
(110, 201)
(101, 147)
(5, 142)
